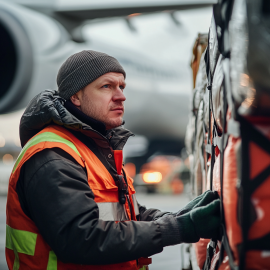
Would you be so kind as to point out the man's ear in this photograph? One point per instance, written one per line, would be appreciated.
(75, 100)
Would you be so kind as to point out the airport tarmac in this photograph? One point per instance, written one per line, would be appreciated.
(169, 258)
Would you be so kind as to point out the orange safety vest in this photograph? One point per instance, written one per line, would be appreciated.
(25, 247)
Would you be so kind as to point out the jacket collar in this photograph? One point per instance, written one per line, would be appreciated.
(48, 108)
(95, 124)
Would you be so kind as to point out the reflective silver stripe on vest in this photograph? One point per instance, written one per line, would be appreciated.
(136, 207)
(112, 211)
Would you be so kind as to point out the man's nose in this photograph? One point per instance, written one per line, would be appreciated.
(119, 95)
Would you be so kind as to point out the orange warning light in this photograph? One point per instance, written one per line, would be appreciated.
(152, 177)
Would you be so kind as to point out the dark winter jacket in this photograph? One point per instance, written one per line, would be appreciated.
(54, 192)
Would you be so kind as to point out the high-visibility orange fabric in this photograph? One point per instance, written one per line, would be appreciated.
(102, 185)
(260, 199)
(230, 195)
(200, 251)
(259, 160)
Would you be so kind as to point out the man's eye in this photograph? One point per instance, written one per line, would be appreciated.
(122, 87)
(106, 86)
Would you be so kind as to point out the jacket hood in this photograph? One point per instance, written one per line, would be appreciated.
(48, 108)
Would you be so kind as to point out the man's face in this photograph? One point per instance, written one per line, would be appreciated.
(103, 99)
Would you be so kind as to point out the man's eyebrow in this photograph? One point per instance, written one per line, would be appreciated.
(106, 81)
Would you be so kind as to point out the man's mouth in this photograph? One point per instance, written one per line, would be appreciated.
(118, 109)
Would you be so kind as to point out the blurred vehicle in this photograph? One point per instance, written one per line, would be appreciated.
(161, 174)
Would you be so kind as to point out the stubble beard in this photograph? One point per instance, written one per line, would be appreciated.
(88, 107)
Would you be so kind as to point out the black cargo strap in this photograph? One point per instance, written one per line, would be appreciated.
(194, 110)
(211, 247)
(210, 150)
(209, 87)
(258, 180)
(212, 166)
(222, 13)
(208, 146)
(262, 243)
(207, 66)
(226, 246)
(202, 153)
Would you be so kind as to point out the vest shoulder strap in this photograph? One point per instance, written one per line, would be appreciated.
(47, 139)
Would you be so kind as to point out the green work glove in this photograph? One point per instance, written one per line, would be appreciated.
(202, 200)
(200, 222)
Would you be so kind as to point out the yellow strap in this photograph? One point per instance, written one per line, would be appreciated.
(44, 137)
(144, 268)
(52, 263)
(20, 242)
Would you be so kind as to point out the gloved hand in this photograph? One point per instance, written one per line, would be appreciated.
(202, 200)
(200, 222)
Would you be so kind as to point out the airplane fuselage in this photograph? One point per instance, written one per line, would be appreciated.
(156, 105)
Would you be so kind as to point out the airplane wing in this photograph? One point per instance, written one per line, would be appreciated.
(72, 14)
(119, 8)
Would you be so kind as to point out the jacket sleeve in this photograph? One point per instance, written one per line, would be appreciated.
(150, 214)
(55, 194)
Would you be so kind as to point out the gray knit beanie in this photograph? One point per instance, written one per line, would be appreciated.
(82, 68)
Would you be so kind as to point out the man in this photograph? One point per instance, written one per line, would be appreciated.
(70, 203)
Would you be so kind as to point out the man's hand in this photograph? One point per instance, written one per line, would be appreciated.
(200, 222)
(202, 200)
(198, 219)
